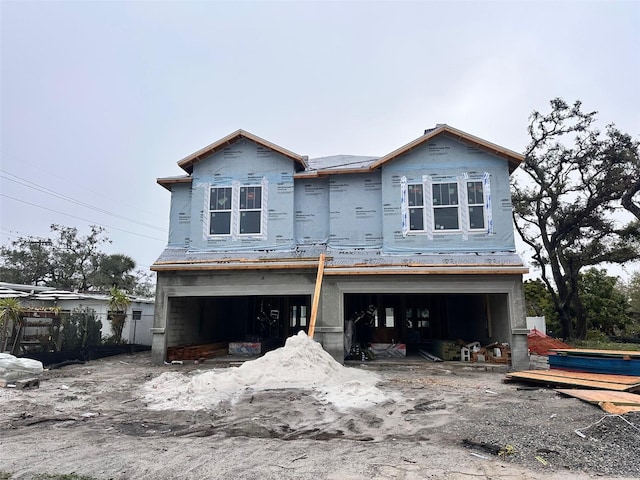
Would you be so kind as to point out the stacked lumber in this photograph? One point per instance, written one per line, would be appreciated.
(598, 381)
(197, 352)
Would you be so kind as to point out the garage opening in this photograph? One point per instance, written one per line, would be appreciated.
(436, 323)
(203, 327)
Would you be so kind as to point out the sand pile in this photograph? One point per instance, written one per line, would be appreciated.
(300, 364)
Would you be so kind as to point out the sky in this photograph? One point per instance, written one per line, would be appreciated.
(99, 99)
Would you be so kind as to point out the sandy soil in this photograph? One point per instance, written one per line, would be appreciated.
(92, 419)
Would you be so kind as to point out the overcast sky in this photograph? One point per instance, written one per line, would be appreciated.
(101, 98)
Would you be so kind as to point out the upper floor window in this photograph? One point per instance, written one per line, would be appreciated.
(462, 205)
(250, 209)
(220, 211)
(475, 202)
(445, 206)
(416, 206)
(237, 210)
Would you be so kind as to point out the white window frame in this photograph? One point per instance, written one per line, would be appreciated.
(422, 207)
(462, 206)
(236, 211)
(481, 204)
(230, 210)
(242, 210)
(435, 207)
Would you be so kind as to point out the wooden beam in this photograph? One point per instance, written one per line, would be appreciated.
(316, 296)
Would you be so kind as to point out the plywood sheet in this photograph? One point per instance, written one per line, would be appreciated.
(600, 377)
(597, 396)
(545, 377)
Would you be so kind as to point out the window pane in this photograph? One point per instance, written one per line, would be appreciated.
(389, 317)
(415, 195)
(250, 222)
(220, 223)
(476, 217)
(452, 194)
(437, 197)
(445, 218)
(474, 193)
(445, 194)
(220, 199)
(250, 197)
(416, 219)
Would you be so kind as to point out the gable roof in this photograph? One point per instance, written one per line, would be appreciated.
(512, 157)
(188, 162)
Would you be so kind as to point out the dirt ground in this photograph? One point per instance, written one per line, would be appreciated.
(448, 421)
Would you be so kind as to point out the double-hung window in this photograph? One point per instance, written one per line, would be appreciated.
(475, 203)
(220, 211)
(236, 210)
(250, 209)
(415, 195)
(445, 206)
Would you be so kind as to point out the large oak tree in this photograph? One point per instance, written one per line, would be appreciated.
(568, 199)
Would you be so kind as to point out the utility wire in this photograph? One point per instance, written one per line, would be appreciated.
(80, 218)
(54, 174)
(48, 191)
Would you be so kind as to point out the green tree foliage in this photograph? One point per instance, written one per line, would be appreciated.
(118, 304)
(70, 261)
(539, 303)
(565, 199)
(81, 329)
(605, 301)
(632, 290)
(10, 312)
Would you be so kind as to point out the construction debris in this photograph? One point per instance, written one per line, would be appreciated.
(541, 344)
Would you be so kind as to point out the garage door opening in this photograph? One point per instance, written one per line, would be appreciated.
(206, 326)
(429, 322)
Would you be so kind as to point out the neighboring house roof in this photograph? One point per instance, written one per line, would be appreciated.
(188, 162)
(32, 292)
(512, 157)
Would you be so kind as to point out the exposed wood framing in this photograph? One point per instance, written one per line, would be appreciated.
(316, 296)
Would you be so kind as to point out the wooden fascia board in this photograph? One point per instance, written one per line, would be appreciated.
(512, 157)
(167, 182)
(188, 162)
(183, 267)
(390, 270)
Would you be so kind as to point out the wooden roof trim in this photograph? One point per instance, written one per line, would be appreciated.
(168, 181)
(513, 158)
(188, 162)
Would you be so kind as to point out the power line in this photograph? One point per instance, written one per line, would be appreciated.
(80, 218)
(54, 174)
(48, 191)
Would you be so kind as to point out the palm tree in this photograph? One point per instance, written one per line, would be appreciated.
(118, 304)
(10, 311)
